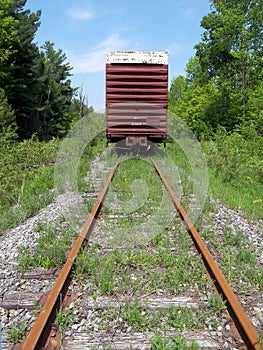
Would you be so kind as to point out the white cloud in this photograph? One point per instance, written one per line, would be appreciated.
(94, 61)
(88, 63)
(113, 42)
(80, 14)
(173, 48)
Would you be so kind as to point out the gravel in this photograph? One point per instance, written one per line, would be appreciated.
(10, 241)
(235, 221)
(25, 235)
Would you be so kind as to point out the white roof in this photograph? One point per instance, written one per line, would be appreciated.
(137, 57)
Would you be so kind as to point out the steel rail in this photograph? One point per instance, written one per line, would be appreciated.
(241, 321)
(34, 340)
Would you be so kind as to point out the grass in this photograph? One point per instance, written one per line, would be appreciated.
(27, 179)
(246, 196)
(135, 316)
(176, 343)
(15, 331)
(237, 258)
(162, 264)
(65, 318)
(236, 169)
(50, 250)
(138, 318)
(143, 269)
(153, 267)
(137, 187)
(37, 193)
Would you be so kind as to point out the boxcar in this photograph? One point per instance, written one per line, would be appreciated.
(136, 97)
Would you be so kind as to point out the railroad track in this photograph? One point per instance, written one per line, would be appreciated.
(44, 334)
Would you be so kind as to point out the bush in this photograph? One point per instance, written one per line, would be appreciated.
(236, 168)
(26, 173)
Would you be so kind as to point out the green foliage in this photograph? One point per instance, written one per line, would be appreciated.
(65, 319)
(54, 95)
(26, 173)
(22, 86)
(231, 51)
(236, 168)
(35, 81)
(15, 332)
(255, 106)
(50, 251)
(176, 343)
(223, 84)
(177, 89)
(8, 125)
(196, 109)
(8, 39)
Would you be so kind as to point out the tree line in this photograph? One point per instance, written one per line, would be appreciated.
(223, 84)
(36, 97)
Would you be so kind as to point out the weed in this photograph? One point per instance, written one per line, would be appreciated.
(50, 251)
(217, 303)
(15, 331)
(36, 308)
(135, 315)
(65, 318)
(236, 239)
(180, 343)
(176, 343)
(159, 343)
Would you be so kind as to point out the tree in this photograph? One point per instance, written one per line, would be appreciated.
(8, 40)
(194, 99)
(177, 89)
(35, 81)
(255, 105)
(231, 52)
(8, 125)
(20, 83)
(55, 93)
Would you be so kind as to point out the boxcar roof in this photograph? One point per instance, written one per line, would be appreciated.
(137, 57)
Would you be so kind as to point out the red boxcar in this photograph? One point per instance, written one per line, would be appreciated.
(136, 97)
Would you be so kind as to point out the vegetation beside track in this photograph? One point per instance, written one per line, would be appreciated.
(27, 176)
(26, 171)
(235, 168)
(231, 160)
(149, 268)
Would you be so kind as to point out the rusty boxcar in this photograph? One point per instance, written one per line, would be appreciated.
(136, 97)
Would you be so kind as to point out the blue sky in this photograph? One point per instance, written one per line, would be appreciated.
(86, 29)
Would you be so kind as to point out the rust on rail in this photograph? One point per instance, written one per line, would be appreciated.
(242, 322)
(39, 333)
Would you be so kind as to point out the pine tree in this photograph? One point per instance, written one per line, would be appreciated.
(55, 93)
(8, 125)
(8, 41)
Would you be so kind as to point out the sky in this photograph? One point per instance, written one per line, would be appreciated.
(86, 29)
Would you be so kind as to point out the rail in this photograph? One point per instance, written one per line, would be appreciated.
(240, 319)
(38, 335)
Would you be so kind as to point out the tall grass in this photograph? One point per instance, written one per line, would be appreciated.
(27, 176)
(236, 169)
(26, 171)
